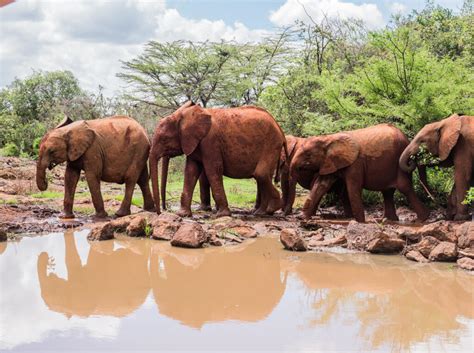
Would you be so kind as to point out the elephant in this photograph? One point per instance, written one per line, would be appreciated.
(113, 149)
(305, 178)
(364, 158)
(452, 141)
(242, 142)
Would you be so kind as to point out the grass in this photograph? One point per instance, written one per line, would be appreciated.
(48, 195)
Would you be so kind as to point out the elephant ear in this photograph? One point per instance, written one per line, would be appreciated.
(66, 121)
(79, 139)
(341, 152)
(449, 134)
(194, 125)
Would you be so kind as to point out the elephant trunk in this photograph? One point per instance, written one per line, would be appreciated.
(406, 164)
(164, 179)
(41, 181)
(154, 181)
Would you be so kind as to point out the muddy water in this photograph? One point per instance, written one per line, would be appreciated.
(59, 292)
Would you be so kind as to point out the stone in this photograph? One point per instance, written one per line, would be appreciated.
(465, 235)
(444, 251)
(410, 234)
(440, 230)
(426, 245)
(359, 235)
(168, 217)
(213, 239)
(292, 241)
(225, 234)
(415, 255)
(103, 231)
(338, 241)
(164, 231)
(190, 235)
(466, 253)
(138, 227)
(385, 244)
(466, 263)
(244, 231)
(3, 235)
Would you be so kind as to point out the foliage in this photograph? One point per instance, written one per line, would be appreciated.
(469, 200)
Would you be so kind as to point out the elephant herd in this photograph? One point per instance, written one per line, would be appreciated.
(247, 142)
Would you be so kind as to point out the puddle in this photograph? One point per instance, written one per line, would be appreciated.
(59, 291)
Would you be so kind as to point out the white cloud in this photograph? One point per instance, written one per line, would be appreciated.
(293, 10)
(398, 8)
(90, 38)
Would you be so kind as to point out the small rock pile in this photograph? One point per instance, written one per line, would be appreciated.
(180, 232)
(439, 241)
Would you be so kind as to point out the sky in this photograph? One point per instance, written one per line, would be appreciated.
(91, 37)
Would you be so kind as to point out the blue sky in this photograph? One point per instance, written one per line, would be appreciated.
(90, 37)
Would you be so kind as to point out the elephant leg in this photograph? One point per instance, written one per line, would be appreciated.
(93, 181)
(451, 207)
(462, 179)
(320, 187)
(284, 184)
(354, 192)
(389, 205)
(192, 171)
(71, 177)
(205, 193)
(214, 175)
(346, 204)
(148, 204)
(288, 207)
(124, 209)
(258, 200)
(405, 186)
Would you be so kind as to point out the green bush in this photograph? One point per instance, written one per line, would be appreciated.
(10, 150)
(469, 200)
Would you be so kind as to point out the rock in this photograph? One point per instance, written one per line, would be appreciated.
(213, 239)
(466, 253)
(3, 235)
(338, 241)
(444, 251)
(410, 234)
(465, 235)
(189, 235)
(138, 227)
(169, 217)
(103, 231)
(244, 231)
(466, 263)
(229, 236)
(385, 244)
(310, 224)
(359, 235)
(292, 241)
(440, 230)
(426, 245)
(120, 224)
(164, 231)
(315, 236)
(415, 255)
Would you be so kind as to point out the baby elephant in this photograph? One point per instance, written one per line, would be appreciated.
(364, 159)
(113, 149)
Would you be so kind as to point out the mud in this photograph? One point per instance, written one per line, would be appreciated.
(137, 294)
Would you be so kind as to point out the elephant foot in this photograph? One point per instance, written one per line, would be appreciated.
(66, 215)
(100, 215)
(390, 217)
(274, 206)
(150, 209)
(184, 213)
(223, 213)
(462, 217)
(423, 216)
(122, 213)
(205, 208)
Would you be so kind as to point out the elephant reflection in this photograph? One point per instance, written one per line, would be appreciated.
(112, 282)
(221, 285)
(194, 287)
(402, 305)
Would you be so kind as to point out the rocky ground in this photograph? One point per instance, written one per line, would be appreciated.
(22, 213)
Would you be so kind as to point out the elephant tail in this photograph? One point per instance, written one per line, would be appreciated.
(279, 164)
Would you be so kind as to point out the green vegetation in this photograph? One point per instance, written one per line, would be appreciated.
(315, 77)
(469, 197)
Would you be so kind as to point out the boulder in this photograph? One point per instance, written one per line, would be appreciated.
(3, 235)
(292, 241)
(104, 231)
(426, 245)
(385, 244)
(168, 217)
(466, 253)
(444, 251)
(441, 230)
(165, 225)
(410, 234)
(465, 235)
(415, 255)
(359, 235)
(337, 241)
(190, 235)
(244, 231)
(466, 263)
(138, 227)
(213, 239)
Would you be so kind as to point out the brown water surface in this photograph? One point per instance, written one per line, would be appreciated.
(60, 292)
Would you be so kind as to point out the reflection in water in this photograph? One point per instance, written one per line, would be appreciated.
(375, 302)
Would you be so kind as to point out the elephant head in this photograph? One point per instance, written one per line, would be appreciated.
(66, 142)
(176, 134)
(439, 138)
(325, 154)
